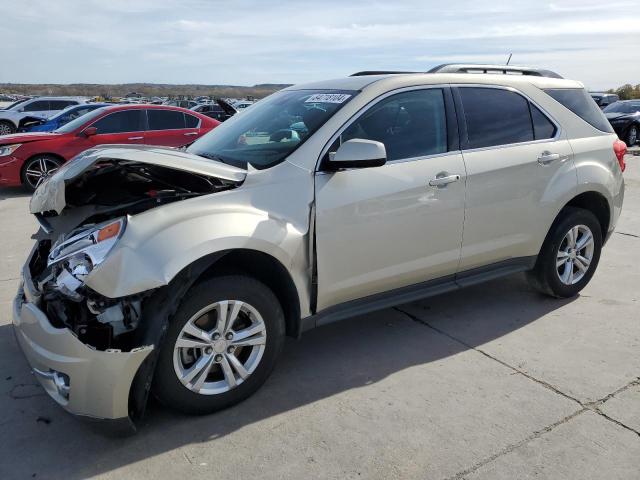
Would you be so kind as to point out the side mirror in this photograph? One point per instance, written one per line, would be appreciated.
(89, 131)
(359, 153)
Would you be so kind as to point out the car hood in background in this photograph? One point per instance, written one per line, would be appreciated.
(50, 196)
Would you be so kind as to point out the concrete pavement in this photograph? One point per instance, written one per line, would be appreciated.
(492, 382)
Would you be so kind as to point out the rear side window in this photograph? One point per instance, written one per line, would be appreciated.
(191, 120)
(579, 102)
(410, 124)
(165, 119)
(542, 126)
(495, 117)
(120, 122)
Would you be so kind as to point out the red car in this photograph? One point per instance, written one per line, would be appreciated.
(28, 158)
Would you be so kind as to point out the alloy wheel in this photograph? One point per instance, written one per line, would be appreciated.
(219, 347)
(575, 254)
(5, 129)
(39, 169)
(632, 138)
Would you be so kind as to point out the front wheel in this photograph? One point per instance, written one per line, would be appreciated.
(570, 254)
(7, 128)
(37, 169)
(221, 345)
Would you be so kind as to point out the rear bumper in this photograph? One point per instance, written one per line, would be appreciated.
(84, 381)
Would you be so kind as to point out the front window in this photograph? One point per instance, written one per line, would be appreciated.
(273, 129)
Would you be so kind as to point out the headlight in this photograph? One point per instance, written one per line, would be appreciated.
(6, 150)
(89, 247)
(74, 258)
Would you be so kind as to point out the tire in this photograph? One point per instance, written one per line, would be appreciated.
(37, 169)
(211, 388)
(566, 279)
(632, 136)
(7, 128)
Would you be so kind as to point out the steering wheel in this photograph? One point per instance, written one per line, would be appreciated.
(284, 135)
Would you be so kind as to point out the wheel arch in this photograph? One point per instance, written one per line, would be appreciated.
(594, 202)
(264, 268)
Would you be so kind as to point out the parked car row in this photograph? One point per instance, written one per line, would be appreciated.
(31, 157)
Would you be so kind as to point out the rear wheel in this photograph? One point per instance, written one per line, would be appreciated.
(7, 128)
(37, 169)
(570, 254)
(632, 136)
(221, 346)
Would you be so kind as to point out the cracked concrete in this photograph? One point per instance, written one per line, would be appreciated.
(492, 382)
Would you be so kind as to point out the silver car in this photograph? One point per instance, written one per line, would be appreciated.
(179, 273)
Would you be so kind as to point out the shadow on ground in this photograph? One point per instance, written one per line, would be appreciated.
(348, 355)
(13, 192)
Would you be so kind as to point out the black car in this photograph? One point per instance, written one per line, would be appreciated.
(220, 110)
(604, 99)
(624, 117)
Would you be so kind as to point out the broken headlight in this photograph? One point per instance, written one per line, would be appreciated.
(77, 255)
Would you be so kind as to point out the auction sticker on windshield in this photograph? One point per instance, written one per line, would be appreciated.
(328, 98)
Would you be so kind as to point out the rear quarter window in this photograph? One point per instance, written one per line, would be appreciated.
(580, 102)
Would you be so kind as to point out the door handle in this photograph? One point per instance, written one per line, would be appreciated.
(547, 157)
(442, 180)
(190, 134)
(135, 138)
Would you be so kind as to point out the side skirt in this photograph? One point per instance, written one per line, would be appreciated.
(418, 291)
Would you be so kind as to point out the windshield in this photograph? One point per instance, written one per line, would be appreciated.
(80, 121)
(621, 107)
(272, 129)
(15, 104)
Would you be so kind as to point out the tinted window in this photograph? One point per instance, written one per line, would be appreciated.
(495, 117)
(579, 102)
(542, 126)
(165, 119)
(60, 104)
(37, 106)
(118, 122)
(410, 124)
(191, 121)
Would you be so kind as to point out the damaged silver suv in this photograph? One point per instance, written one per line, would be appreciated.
(179, 273)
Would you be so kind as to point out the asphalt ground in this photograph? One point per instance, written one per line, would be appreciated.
(491, 382)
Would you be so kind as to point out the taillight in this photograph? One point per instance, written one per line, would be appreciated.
(620, 149)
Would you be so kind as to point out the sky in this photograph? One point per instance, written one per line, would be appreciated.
(243, 42)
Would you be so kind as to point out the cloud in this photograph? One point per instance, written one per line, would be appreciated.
(247, 42)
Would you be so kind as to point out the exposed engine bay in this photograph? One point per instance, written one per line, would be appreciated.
(75, 241)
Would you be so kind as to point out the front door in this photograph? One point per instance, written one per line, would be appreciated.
(378, 229)
(123, 127)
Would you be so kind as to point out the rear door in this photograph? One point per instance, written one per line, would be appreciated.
(379, 229)
(168, 128)
(516, 157)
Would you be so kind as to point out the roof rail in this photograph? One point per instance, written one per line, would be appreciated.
(495, 69)
(375, 72)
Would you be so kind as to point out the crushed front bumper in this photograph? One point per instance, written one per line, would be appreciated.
(85, 381)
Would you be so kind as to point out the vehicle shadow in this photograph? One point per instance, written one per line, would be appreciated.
(13, 192)
(333, 359)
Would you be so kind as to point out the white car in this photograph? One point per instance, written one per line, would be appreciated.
(39, 107)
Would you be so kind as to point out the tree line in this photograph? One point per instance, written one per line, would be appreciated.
(626, 92)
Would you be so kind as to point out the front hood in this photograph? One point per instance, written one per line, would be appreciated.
(27, 137)
(50, 196)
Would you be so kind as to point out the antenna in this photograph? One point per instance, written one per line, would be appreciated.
(509, 58)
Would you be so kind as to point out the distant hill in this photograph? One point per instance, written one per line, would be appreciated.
(146, 89)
